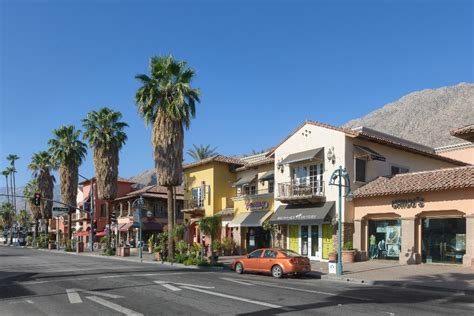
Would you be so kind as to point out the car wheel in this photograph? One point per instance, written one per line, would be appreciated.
(277, 271)
(239, 268)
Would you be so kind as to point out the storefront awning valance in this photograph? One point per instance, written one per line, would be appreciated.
(267, 176)
(225, 212)
(125, 227)
(152, 226)
(246, 179)
(302, 214)
(301, 156)
(249, 219)
(362, 151)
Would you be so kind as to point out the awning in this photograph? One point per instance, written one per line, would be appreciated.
(362, 151)
(152, 226)
(246, 179)
(101, 234)
(125, 227)
(299, 214)
(267, 176)
(250, 219)
(301, 156)
(81, 234)
(225, 212)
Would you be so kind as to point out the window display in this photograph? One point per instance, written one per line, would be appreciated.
(384, 239)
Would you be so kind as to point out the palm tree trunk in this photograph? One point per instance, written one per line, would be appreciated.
(8, 191)
(14, 190)
(11, 191)
(170, 223)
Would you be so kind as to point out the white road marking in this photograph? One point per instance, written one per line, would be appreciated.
(236, 298)
(22, 301)
(194, 285)
(308, 291)
(113, 306)
(236, 281)
(73, 296)
(168, 286)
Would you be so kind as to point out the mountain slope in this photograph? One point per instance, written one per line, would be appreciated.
(424, 116)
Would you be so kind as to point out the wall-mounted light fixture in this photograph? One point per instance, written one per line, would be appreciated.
(280, 166)
(331, 155)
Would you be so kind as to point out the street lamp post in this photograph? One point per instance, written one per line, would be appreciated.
(340, 174)
(138, 205)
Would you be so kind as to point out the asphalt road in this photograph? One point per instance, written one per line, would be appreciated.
(34, 282)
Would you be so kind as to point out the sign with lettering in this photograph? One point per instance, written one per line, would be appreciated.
(257, 205)
(408, 203)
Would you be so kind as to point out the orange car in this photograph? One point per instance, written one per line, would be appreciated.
(272, 260)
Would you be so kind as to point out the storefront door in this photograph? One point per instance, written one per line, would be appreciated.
(443, 240)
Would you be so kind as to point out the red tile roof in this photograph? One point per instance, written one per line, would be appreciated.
(466, 132)
(216, 158)
(423, 181)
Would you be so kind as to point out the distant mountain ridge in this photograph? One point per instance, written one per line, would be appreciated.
(425, 116)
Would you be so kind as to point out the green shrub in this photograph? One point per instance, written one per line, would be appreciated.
(228, 244)
(69, 246)
(347, 246)
(29, 240)
(178, 232)
(189, 262)
(181, 247)
(109, 252)
(42, 241)
(216, 246)
(180, 258)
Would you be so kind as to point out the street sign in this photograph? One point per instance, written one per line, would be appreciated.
(60, 209)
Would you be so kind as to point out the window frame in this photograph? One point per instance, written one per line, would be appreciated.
(356, 179)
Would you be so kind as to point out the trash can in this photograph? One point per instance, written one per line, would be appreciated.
(80, 247)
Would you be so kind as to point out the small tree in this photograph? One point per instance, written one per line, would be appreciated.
(209, 226)
(272, 229)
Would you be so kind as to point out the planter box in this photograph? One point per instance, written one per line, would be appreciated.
(332, 257)
(348, 256)
(123, 251)
(51, 246)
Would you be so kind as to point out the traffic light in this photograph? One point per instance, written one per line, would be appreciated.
(37, 199)
(94, 226)
(113, 217)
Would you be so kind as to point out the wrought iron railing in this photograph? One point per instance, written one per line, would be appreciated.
(301, 187)
(194, 204)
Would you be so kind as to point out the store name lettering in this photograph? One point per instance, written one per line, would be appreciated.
(408, 203)
(260, 205)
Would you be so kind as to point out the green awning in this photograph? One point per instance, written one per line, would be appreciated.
(246, 179)
(301, 156)
(303, 214)
(267, 176)
(362, 151)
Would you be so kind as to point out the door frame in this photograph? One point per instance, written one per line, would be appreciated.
(319, 254)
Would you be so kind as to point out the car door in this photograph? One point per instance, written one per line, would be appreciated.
(254, 260)
(268, 260)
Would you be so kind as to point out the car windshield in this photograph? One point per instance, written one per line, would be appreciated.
(290, 253)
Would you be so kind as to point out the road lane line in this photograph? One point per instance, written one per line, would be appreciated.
(236, 281)
(194, 285)
(113, 306)
(168, 286)
(73, 296)
(309, 291)
(236, 298)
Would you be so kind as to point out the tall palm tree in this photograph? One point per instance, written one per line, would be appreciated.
(105, 133)
(201, 152)
(42, 165)
(68, 152)
(11, 172)
(12, 158)
(24, 218)
(167, 101)
(28, 192)
(7, 217)
(6, 173)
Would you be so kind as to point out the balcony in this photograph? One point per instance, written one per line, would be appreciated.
(253, 194)
(80, 217)
(194, 204)
(301, 190)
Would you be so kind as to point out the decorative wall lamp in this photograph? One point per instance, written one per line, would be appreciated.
(280, 166)
(331, 156)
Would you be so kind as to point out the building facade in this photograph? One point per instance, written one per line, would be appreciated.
(306, 205)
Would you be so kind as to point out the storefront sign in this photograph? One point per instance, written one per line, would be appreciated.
(258, 205)
(409, 203)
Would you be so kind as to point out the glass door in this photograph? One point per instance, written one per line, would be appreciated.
(443, 240)
(304, 240)
(315, 244)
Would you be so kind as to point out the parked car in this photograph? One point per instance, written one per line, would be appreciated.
(276, 261)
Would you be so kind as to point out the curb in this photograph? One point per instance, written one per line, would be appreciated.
(407, 285)
(177, 265)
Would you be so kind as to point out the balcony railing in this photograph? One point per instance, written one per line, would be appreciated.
(253, 193)
(80, 217)
(301, 188)
(194, 204)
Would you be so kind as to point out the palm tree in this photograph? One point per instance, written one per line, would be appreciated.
(105, 133)
(167, 101)
(6, 173)
(201, 152)
(7, 217)
(42, 164)
(12, 158)
(24, 218)
(29, 191)
(11, 172)
(68, 152)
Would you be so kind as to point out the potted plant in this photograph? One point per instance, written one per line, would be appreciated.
(151, 244)
(348, 252)
(217, 247)
(332, 256)
(228, 245)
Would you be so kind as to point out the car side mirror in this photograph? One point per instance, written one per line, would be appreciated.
(248, 256)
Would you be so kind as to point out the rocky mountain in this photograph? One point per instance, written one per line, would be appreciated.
(20, 202)
(424, 116)
(147, 177)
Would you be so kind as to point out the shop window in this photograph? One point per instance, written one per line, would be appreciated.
(360, 170)
(384, 239)
(396, 170)
(250, 189)
(198, 196)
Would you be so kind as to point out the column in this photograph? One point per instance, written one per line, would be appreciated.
(408, 253)
(468, 258)
(358, 241)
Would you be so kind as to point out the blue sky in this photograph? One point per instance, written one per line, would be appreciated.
(263, 66)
